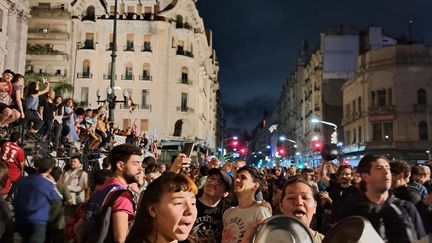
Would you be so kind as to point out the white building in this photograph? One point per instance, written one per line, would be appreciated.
(165, 63)
(14, 16)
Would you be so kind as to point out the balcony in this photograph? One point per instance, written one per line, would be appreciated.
(185, 53)
(185, 81)
(85, 75)
(183, 26)
(146, 47)
(377, 110)
(129, 48)
(107, 76)
(127, 76)
(109, 47)
(89, 17)
(145, 77)
(185, 109)
(420, 108)
(146, 107)
(88, 45)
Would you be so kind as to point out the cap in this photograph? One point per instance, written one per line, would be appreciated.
(225, 177)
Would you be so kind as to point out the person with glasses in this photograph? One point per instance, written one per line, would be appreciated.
(211, 206)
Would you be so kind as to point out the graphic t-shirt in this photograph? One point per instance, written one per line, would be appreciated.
(236, 220)
(208, 225)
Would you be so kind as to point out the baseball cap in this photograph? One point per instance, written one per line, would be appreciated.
(224, 176)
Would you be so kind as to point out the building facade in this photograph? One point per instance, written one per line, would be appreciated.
(387, 104)
(165, 63)
(14, 17)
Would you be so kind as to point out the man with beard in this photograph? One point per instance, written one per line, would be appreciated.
(395, 220)
(126, 165)
(340, 191)
(211, 206)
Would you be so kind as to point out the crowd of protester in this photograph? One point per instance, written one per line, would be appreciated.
(135, 197)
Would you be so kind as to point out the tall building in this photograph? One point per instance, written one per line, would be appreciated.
(313, 90)
(165, 63)
(14, 17)
(387, 104)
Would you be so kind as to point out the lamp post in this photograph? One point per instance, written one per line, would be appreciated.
(113, 67)
(111, 98)
(334, 134)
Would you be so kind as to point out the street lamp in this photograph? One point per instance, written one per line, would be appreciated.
(113, 67)
(334, 134)
(111, 98)
(283, 138)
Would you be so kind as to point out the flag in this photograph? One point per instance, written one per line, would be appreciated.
(131, 104)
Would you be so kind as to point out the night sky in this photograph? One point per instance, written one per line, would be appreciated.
(257, 42)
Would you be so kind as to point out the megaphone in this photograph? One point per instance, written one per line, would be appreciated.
(354, 229)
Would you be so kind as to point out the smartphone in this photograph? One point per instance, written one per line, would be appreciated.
(188, 148)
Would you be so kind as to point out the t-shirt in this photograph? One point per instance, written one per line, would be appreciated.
(236, 220)
(32, 199)
(48, 111)
(208, 225)
(124, 202)
(5, 96)
(13, 156)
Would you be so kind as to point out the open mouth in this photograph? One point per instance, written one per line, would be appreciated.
(299, 213)
(185, 227)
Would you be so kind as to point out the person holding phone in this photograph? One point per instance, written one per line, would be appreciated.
(32, 105)
(180, 162)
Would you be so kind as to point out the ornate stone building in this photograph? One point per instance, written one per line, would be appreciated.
(387, 104)
(165, 62)
(14, 16)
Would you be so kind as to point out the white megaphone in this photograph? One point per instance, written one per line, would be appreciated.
(354, 229)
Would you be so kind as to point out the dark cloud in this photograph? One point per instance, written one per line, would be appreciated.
(257, 41)
(247, 115)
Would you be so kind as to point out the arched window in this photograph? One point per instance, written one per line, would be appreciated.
(128, 72)
(146, 72)
(184, 76)
(89, 14)
(421, 97)
(423, 130)
(178, 128)
(86, 66)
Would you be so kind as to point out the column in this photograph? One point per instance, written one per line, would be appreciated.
(11, 39)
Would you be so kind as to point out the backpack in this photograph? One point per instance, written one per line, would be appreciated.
(97, 211)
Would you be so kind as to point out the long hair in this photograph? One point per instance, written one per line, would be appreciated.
(32, 89)
(168, 182)
(3, 175)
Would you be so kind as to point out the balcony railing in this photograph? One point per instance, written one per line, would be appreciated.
(183, 26)
(127, 77)
(145, 77)
(109, 47)
(422, 108)
(146, 107)
(381, 109)
(85, 75)
(185, 81)
(146, 47)
(129, 48)
(107, 76)
(88, 44)
(184, 53)
(185, 109)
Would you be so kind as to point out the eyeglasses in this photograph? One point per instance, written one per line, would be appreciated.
(215, 180)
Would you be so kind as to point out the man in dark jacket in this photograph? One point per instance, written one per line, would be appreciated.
(395, 220)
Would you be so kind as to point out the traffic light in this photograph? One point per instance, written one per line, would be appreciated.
(281, 151)
(242, 151)
(316, 145)
(234, 143)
